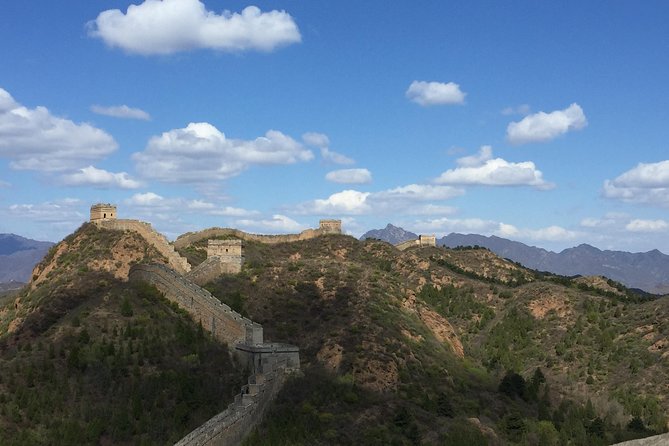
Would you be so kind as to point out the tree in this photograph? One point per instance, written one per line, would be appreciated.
(513, 385)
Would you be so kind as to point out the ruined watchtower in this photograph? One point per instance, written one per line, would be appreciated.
(103, 211)
(330, 226)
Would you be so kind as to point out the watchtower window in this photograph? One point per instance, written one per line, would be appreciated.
(104, 215)
(226, 249)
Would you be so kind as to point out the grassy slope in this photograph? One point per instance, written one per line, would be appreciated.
(95, 360)
(377, 366)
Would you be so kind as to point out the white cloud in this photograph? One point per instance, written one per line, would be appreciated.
(334, 157)
(4, 184)
(91, 176)
(121, 111)
(550, 233)
(170, 26)
(65, 211)
(322, 142)
(407, 199)
(152, 204)
(350, 176)
(541, 127)
(347, 202)
(229, 211)
(315, 139)
(522, 109)
(645, 183)
(638, 225)
(277, 224)
(435, 93)
(145, 199)
(200, 153)
(482, 169)
(34, 139)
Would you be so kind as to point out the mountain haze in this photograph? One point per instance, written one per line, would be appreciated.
(18, 256)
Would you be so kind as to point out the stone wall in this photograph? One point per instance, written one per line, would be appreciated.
(191, 237)
(212, 268)
(178, 263)
(232, 425)
(224, 323)
(422, 240)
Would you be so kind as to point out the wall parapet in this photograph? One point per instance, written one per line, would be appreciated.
(189, 238)
(245, 412)
(270, 363)
(222, 321)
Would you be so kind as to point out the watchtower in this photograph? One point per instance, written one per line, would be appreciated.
(330, 226)
(103, 211)
(427, 240)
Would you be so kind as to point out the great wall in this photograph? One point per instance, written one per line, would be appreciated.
(269, 363)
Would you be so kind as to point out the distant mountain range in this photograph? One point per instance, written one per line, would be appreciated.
(18, 256)
(648, 271)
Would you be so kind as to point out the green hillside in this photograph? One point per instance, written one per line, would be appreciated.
(95, 360)
(412, 347)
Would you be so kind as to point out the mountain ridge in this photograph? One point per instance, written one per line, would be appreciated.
(647, 271)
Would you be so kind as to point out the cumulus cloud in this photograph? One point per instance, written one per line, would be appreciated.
(171, 26)
(277, 224)
(408, 199)
(541, 127)
(483, 169)
(100, 178)
(121, 111)
(34, 139)
(646, 183)
(435, 93)
(350, 176)
(639, 225)
(200, 153)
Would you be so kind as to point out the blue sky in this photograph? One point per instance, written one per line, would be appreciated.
(543, 122)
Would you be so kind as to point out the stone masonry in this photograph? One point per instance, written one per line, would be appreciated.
(103, 211)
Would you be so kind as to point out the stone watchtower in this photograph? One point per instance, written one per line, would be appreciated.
(330, 226)
(228, 251)
(427, 240)
(103, 211)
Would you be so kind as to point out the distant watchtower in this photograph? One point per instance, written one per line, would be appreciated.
(427, 240)
(330, 226)
(103, 211)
